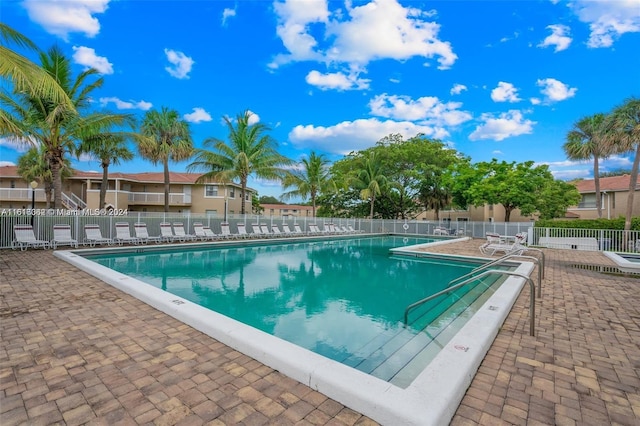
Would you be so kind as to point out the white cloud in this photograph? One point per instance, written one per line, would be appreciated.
(555, 90)
(63, 17)
(557, 38)
(226, 14)
(428, 110)
(337, 80)
(380, 29)
(142, 105)
(198, 115)
(505, 92)
(348, 136)
(6, 163)
(535, 101)
(570, 174)
(457, 89)
(87, 57)
(18, 144)
(572, 169)
(182, 64)
(497, 152)
(506, 125)
(253, 117)
(607, 19)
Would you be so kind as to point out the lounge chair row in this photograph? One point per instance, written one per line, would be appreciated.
(497, 243)
(25, 237)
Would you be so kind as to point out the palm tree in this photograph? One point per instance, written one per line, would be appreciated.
(249, 152)
(586, 141)
(434, 196)
(33, 166)
(370, 180)
(109, 148)
(25, 75)
(624, 136)
(165, 137)
(310, 181)
(42, 120)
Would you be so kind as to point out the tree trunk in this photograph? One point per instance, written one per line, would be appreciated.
(437, 214)
(243, 183)
(373, 200)
(167, 184)
(507, 213)
(633, 179)
(105, 183)
(55, 161)
(596, 181)
(48, 192)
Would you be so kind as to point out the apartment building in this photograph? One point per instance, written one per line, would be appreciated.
(614, 193)
(287, 210)
(143, 192)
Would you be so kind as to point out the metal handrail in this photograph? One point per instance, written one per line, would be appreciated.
(532, 304)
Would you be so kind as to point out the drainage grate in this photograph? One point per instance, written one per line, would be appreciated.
(604, 269)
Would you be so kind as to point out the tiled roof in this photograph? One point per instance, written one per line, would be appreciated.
(613, 183)
(147, 177)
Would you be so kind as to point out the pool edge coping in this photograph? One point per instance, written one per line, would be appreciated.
(431, 399)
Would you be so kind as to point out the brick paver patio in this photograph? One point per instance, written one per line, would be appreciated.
(77, 351)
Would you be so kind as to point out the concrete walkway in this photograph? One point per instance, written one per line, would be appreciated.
(76, 351)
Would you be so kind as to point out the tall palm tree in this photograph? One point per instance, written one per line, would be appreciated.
(32, 166)
(623, 136)
(370, 180)
(165, 137)
(586, 141)
(42, 120)
(310, 181)
(25, 75)
(434, 195)
(108, 148)
(249, 151)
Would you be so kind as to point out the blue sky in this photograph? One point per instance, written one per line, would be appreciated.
(493, 79)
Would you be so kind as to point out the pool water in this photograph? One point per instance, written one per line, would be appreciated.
(343, 299)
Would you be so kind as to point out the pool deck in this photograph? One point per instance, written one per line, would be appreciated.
(77, 351)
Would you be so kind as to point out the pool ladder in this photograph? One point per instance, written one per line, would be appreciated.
(484, 271)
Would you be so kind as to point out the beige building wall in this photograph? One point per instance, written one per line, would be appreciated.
(614, 204)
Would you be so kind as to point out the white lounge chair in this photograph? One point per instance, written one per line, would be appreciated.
(297, 230)
(178, 230)
(198, 231)
(265, 231)
(209, 233)
(286, 230)
(123, 234)
(25, 238)
(93, 235)
(142, 233)
(275, 231)
(167, 233)
(516, 245)
(257, 232)
(62, 236)
(226, 231)
(242, 230)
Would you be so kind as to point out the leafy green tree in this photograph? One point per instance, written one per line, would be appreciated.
(370, 180)
(256, 208)
(586, 141)
(33, 166)
(513, 185)
(623, 136)
(555, 197)
(250, 151)
(434, 195)
(268, 199)
(108, 148)
(58, 128)
(164, 137)
(313, 179)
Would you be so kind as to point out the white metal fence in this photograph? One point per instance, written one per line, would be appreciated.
(572, 239)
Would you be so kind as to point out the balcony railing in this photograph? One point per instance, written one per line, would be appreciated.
(158, 198)
(21, 194)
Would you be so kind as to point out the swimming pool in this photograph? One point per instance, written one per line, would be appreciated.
(298, 266)
(627, 262)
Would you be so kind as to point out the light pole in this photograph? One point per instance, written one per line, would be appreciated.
(226, 201)
(33, 186)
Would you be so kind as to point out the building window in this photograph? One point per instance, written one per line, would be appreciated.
(588, 201)
(490, 207)
(13, 184)
(271, 210)
(295, 211)
(463, 219)
(211, 190)
(246, 197)
(232, 193)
